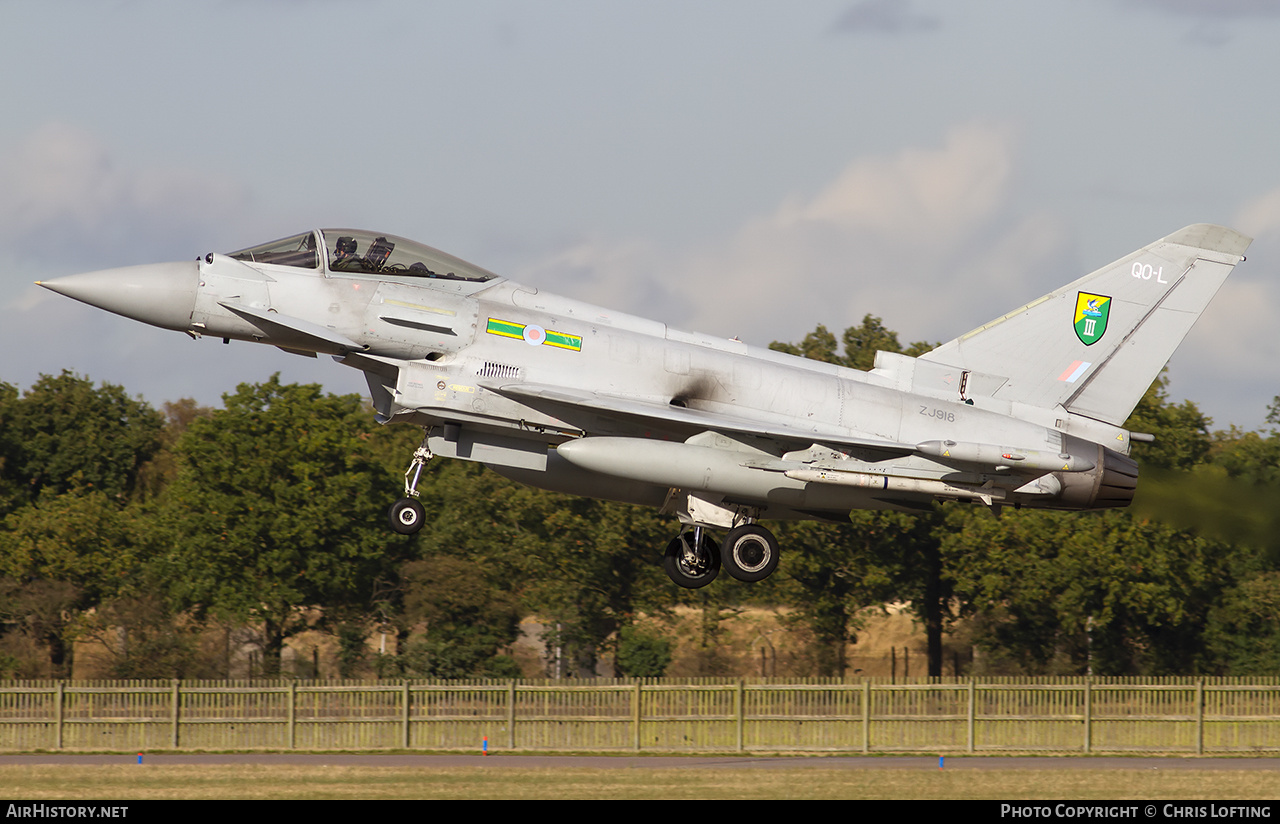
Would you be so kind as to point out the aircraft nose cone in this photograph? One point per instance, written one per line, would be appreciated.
(161, 294)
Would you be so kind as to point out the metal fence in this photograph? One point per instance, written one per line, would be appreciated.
(1191, 716)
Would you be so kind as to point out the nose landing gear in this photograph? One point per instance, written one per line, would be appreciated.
(406, 515)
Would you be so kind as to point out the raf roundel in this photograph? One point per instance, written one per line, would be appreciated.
(534, 335)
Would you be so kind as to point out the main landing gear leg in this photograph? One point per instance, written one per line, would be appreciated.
(749, 553)
(406, 515)
(692, 559)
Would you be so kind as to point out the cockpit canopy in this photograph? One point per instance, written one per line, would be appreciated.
(352, 251)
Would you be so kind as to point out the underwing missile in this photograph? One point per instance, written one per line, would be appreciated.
(1003, 456)
(893, 483)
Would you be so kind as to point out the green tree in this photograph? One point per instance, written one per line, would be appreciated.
(863, 341)
(71, 455)
(819, 345)
(1251, 457)
(43, 612)
(1237, 498)
(1181, 431)
(1243, 629)
(584, 566)
(860, 344)
(13, 489)
(469, 620)
(65, 433)
(277, 506)
(1100, 592)
(642, 654)
(67, 554)
(598, 565)
(156, 474)
(836, 572)
(143, 638)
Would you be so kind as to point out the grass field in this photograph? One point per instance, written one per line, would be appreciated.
(133, 782)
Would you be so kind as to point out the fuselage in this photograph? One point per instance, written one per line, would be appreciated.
(573, 397)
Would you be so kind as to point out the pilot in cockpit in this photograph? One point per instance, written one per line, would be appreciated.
(344, 252)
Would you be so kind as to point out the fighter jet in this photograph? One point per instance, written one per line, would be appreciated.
(1024, 411)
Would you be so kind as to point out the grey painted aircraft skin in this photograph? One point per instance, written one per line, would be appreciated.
(1025, 411)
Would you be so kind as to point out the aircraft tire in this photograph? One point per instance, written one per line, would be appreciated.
(406, 516)
(692, 575)
(749, 553)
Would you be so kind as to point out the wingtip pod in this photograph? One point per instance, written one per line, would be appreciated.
(1211, 238)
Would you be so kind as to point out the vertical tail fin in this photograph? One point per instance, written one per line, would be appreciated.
(1094, 346)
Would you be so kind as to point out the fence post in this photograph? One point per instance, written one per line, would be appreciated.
(1088, 715)
(866, 715)
(972, 711)
(740, 711)
(404, 714)
(292, 720)
(1199, 716)
(511, 714)
(59, 697)
(635, 716)
(174, 715)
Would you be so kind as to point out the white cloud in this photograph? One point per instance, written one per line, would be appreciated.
(1260, 217)
(65, 198)
(932, 240)
(925, 238)
(1230, 361)
(1212, 8)
(885, 16)
(1229, 364)
(939, 192)
(617, 275)
(1237, 335)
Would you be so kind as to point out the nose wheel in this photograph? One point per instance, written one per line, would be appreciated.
(406, 515)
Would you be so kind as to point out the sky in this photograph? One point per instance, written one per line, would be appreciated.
(748, 168)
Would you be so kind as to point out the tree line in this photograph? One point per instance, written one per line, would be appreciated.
(149, 529)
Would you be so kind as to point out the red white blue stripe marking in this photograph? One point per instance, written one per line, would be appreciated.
(1074, 371)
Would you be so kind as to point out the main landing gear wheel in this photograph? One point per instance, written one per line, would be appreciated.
(406, 516)
(692, 559)
(749, 553)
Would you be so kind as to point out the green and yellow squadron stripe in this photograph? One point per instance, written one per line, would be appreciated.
(562, 341)
(505, 328)
(516, 331)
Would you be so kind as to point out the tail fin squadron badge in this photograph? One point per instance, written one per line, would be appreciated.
(1092, 312)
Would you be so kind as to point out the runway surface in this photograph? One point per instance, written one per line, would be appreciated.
(664, 761)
